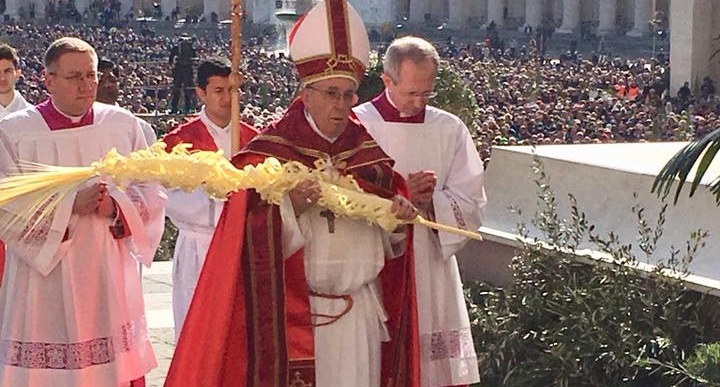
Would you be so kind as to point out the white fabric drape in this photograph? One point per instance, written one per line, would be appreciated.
(71, 300)
(441, 144)
(195, 215)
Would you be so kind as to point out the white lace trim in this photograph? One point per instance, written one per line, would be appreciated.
(457, 212)
(447, 345)
(71, 356)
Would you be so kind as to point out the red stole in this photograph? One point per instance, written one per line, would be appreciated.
(250, 316)
(58, 121)
(390, 113)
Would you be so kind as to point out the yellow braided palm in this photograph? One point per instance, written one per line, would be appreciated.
(211, 171)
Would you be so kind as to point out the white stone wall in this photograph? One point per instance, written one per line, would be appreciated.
(714, 65)
(263, 11)
(375, 12)
(516, 9)
(607, 201)
(439, 9)
(694, 25)
(479, 10)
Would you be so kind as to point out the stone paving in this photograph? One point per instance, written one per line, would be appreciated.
(157, 288)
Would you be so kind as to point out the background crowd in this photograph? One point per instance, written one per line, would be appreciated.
(522, 97)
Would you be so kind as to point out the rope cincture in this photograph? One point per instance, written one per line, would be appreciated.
(332, 318)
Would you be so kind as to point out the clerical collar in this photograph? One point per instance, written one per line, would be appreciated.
(390, 113)
(211, 125)
(389, 99)
(315, 128)
(57, 120)
(73, 119)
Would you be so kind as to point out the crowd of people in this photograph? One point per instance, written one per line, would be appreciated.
(146, 75)
(527, 100)
(521, 99)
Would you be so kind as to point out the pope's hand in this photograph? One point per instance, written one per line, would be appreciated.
(403, 209)
(304, 195)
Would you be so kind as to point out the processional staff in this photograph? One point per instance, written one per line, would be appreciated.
(236, 78)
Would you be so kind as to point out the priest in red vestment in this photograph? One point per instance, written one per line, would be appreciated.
(291, 294)
(194, 213)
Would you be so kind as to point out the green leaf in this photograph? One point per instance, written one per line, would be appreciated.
(680, 165)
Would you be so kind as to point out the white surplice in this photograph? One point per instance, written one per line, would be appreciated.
(346, 261)
(442, 143)
(195, 215)
(148, 131)
(18, 103)
(71, 300)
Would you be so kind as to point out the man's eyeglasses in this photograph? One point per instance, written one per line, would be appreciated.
(416, 94)
(77, 77)
(335, 94)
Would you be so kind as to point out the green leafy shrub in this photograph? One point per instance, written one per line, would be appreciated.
(566, 323)
(372, 84)
(701, 369)
(705, 363)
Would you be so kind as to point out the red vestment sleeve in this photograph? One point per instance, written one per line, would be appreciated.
(249, 321)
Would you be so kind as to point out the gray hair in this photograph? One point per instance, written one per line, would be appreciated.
(411, 48)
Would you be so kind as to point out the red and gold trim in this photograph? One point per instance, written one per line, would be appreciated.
(262, 303)
(338, 27)
(457, 213)
(355, 152)
(281, 348)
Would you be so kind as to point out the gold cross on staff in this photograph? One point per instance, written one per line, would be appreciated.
(330, 217)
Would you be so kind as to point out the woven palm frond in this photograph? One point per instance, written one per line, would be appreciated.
(46, 186)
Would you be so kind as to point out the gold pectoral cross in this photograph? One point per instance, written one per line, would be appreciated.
(330, 217)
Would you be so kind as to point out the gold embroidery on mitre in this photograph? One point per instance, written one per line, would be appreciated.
(334, 61)
(299, 382)
(337, 59)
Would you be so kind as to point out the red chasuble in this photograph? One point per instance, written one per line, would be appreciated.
(249, 323)
(194, 132)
